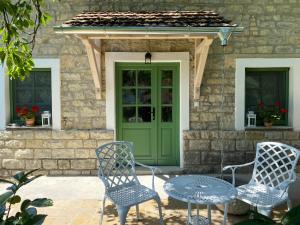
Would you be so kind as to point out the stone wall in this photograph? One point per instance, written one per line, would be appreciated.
(69, 152)
(203, 148)
(271, 30)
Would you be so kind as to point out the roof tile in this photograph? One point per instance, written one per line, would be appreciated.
(203, 18)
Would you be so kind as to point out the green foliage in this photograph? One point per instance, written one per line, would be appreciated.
(19, 23)
(28, 214)
(292, 217)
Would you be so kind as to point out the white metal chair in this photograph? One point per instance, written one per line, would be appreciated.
(273, 172)
(122, 187)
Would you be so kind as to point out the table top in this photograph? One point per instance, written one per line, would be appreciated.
(198, 189)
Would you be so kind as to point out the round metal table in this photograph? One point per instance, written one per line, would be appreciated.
(200, 190)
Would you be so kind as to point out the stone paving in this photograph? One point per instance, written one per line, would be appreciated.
(77, 201)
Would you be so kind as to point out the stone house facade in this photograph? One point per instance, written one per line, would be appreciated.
(80, 123)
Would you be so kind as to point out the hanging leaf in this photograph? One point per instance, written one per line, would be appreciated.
(5, 196)
(14, 200)
(42, 202)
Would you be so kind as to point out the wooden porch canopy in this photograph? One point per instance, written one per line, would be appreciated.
(201, 26)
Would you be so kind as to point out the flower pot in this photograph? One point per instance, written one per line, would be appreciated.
(268, 124)
(236, 207)
(30, 122)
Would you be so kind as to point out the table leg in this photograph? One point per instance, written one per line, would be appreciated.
(225, 213)
(209, 214)
(189, 214)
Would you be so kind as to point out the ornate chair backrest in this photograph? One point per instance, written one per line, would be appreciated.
(116, 164)
(275, 164)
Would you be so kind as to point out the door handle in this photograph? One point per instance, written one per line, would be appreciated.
(153, 113)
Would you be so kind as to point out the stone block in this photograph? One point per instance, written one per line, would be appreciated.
(5, 135)
(13, 164)
(64, 164)
(15, 144)
(72, 172)
(63, 153)
(7, 153)
(70, 134)
(33, 164)
(74, 144)
(24, 154)
(55, 172)
(210, 158)
(89, 144)
(1, 144)
(23, 134)
(291, 135)
(42, 153)
(192, 158)
(273, 135)
(102, 134)
(34, 144)
(234, 158)
(54, 144)
(102, 142)
(191, 134)
(82, 153)
(226, 145)
(83, 164)
(199, 145)
(49, 164)
(254, 135)
(244, 145)
(43, 134)
(85, 172)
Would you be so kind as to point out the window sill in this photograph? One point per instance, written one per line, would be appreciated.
(28, 128)
(275, 128)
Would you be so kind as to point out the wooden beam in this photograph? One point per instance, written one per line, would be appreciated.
(94, 55)
(201, 52)
(145, 36)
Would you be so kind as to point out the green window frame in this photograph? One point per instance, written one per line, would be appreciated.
(268, 85)
(34, 90)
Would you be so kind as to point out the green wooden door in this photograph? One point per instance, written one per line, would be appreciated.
(148, 110)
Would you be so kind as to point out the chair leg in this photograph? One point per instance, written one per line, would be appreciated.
(289, 204)
(102, 211)
(264, 211)
(138, 215)
(157, 199)
(122, 212)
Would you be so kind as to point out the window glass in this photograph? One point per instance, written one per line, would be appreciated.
(35, 90)
(268, 86)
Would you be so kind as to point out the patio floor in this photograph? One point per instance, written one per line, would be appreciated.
(77, 201)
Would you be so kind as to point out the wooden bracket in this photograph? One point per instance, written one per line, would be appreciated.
(93, 49)
(201, 52)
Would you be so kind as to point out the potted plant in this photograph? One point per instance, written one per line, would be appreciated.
(270, 113)
(27, 115)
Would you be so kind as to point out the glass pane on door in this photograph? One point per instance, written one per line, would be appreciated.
(166, 96)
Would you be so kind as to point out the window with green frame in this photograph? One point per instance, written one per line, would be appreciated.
(268, 85)
(35, 90)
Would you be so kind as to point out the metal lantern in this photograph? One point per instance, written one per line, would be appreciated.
(46, 119)
(251, 116)
(148, 58)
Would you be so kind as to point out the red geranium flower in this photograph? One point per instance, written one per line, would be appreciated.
(18, 109)
(35, 109)
(260, 104)
(277, 104)
(283, 110)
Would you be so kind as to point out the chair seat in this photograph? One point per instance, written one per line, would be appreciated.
(261, 195)
(130, 194)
